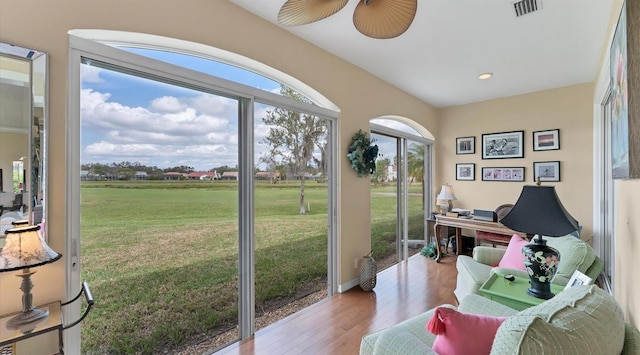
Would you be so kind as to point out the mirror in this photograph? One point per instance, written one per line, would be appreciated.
(23, 113)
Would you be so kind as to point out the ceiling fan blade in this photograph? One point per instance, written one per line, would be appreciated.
(384, 18)
(302, 12)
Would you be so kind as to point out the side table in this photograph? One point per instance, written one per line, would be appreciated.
(512, 294)
(54, 322)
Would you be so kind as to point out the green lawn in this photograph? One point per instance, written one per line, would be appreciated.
(161, 257)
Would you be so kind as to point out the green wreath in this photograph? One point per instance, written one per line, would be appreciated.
(362, 154)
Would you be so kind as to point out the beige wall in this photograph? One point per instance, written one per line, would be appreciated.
(359, 95)
(627, 248)
(567, 109)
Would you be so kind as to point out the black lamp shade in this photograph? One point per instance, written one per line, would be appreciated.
(539, 211)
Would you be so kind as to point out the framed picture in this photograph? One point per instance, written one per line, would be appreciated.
(503, 174)
(546, 140)
(578, 278)
(466, 145)
(466, 171)
(503, 145)
(546, 170)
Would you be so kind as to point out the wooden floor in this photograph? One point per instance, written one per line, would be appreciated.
(337, 324)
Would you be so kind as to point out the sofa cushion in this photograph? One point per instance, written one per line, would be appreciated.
(579, 320)
(575, 254)
(513, 257)
(406, 337)
(462, 333)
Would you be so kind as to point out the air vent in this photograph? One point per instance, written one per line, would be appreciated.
(524, 7)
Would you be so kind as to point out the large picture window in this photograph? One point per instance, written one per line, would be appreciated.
(175, 172)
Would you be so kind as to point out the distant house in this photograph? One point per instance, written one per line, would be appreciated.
(141, 175)
(203, 175)
(392, 173)
(267, 175)
(172, 175)
(229, 175)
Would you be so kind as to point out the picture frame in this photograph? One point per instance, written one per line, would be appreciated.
(546, 140)
(465, 145)
(503, 173)
(466, 171)
(503, 145)
(578, 278)
(546, 170)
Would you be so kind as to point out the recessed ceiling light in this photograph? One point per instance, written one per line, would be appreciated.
(484, 76)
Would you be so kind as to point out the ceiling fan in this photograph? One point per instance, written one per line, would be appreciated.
(380, 19)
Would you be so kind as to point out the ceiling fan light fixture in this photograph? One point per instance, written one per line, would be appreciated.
(302, 12)
(384, 19)
(485, 76)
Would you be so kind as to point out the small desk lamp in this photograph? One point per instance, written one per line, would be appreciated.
(446, 196)
(24, 249)
(539, 211)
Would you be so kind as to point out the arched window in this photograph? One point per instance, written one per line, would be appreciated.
(191, 198)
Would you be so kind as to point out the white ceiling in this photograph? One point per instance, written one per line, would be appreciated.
(451, 42)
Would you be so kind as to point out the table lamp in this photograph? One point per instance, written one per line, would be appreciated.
(539, 211)
(24, 249)
(446, 196)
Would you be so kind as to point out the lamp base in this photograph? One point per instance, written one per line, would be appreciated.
(540, 290)
(26, 321)
(541, 262)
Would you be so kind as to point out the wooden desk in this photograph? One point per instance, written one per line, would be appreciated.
(473, 224)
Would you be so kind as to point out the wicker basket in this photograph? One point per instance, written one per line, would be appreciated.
(368, 272)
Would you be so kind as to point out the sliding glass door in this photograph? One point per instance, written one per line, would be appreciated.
(399, 193)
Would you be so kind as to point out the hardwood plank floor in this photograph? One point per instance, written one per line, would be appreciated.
(337, 324)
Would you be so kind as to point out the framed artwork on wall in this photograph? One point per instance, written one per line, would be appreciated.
(465, 145)
(546, 171)
(546, 140)
(503, 145)
(466, 171)
(619, 93)
(503, 174)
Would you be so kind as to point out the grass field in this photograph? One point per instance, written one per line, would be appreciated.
(161, 257)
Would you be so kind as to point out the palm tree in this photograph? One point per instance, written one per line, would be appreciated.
(415, 165)
(415, 161)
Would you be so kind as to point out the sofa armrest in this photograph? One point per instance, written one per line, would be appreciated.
(477, 304)
(488, 255)
(595, 269)
(631, 340)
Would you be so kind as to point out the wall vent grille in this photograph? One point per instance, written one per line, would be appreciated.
(524, 7)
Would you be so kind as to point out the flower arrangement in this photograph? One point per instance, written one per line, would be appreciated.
(362, 154)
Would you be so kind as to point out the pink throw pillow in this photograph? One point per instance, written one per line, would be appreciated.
(462, 333)
(513, 258)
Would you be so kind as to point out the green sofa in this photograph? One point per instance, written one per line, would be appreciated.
(579, 320)
(575, 254)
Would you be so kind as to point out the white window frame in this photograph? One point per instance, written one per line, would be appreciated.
(79, 48)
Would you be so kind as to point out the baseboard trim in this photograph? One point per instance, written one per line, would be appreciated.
(348, 285)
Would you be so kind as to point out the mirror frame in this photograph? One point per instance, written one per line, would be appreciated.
(36, 127)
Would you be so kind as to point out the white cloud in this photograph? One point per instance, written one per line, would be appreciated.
(170, 131)
(167, 104)
(90, 74)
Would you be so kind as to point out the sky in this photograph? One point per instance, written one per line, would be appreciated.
(128, 118)
(134, 119)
